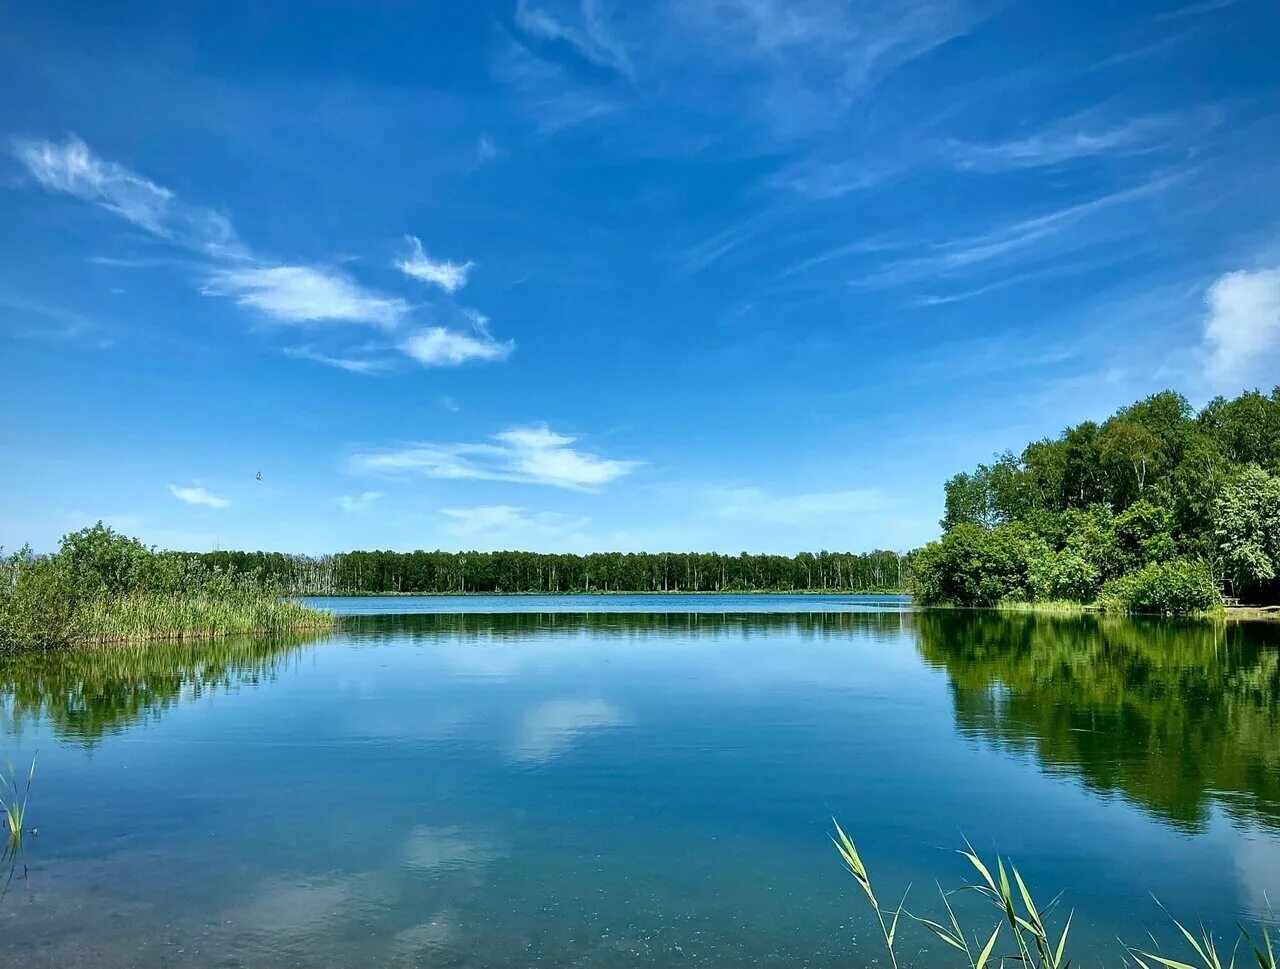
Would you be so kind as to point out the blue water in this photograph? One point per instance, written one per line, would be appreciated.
(645, 602)
(560, 788)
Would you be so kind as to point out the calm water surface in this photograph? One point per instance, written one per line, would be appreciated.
(475, 785)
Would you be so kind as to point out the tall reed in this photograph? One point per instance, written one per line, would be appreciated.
(1034, 944)
(13, 801)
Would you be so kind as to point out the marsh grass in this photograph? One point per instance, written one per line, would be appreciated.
(13, 801)
(142, 616)
(103, 587)
(1035, 945)
(1063, 606)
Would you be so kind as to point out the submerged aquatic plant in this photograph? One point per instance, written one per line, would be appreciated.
(1034, 944)
(13, 801)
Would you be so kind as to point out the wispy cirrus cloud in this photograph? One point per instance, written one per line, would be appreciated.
(289, 293)
(583, 26)
(362, 365)
(449, 276)
(552, 97)
(306, 294)
(71, 168)
(1024, 239)
(794, 66)
(1082, 136)
(802, 63)
(196, 495)
(508, 526)
(533, 454)
(1242, 328)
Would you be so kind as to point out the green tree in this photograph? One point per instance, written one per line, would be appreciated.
(1248, 528)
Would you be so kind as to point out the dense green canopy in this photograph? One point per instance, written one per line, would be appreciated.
(1152, 510)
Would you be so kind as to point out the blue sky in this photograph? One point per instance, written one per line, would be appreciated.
(582, 274)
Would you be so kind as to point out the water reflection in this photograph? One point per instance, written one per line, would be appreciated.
(585, 789)
(1176, 716)
(475, 627)
(88, 694)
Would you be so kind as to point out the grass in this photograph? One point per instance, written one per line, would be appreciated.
(143, 616)
(1064, 606)
(13, 801)
(1030, 942)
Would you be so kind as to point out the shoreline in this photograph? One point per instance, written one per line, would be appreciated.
(594, 592)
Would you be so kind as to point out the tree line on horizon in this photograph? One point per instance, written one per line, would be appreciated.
(1160, 508)
(384, 572)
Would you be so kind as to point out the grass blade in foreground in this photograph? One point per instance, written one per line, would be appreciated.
(1027, 920)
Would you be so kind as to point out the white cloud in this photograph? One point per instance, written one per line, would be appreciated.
(1242, 331)
(494, 527)
(486, 149)
(756, 504)
(358, 502)
(802, 63)
(549, 729)
(72, 167)
(482, 518)
(436, 346)
(304, 294)
(1074, 138)
(532, 455)
(292, 294)
(196, 495)
(555, 98)
(590, 36)
(449, 276)
(1026, 240)
(350, 364)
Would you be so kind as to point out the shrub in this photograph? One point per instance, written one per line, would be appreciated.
(1063, 576)
(1168, 588)
(974, 566)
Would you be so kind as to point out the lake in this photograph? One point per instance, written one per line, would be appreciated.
(631, 781)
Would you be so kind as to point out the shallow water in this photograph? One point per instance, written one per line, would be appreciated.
(643, 786)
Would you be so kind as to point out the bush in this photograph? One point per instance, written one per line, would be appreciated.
(102, 586)
(1063, 576)
(1168, 588)
(974, 566)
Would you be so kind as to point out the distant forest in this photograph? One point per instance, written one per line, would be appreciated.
(365, 573)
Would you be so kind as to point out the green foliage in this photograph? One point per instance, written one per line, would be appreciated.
(1171, 588)
(1066, 576)
(1098, 506)
(1248, 528)
(975, 566)
(101, 586)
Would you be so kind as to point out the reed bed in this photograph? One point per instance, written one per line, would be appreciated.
(150, 616)
(102, 587)
(1023, 925)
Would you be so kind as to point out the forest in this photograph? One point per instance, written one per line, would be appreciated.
(383, 572)
(1160, 508)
